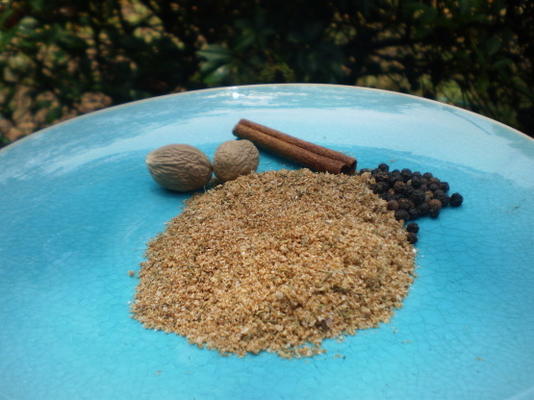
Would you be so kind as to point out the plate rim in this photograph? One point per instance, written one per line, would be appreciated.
(260, 85)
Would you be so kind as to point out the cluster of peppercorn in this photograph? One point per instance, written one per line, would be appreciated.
(412, 195)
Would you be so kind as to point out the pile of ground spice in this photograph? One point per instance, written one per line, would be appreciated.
(276, 261)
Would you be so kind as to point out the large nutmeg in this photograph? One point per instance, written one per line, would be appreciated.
(179, 167)
(235, 158)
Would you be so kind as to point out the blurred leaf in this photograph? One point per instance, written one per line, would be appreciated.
(53, 114)
(473, 52)
(503, 63)
(216, 64)
(493, 45)
(37, 5)
(243, 42)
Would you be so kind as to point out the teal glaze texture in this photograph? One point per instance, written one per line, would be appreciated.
(77, 207)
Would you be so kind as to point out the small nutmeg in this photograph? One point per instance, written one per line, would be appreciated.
(235, 158)
(179, 167)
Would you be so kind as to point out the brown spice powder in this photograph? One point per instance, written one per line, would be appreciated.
(276, 261)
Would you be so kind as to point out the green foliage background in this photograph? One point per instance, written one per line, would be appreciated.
(62, 58)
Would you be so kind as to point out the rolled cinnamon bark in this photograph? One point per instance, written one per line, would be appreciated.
(308, 154)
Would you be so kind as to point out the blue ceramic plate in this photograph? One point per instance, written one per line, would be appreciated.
(77, 207)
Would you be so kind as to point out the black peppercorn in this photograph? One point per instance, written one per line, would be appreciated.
(405, 204)
(408, 190)
(412, 237)
(456, 200)
(392, 179)
(414, 213)
(402, 215)
(383, 167)
(434, 204)
(438, 193)
(411, 194)
(406, 174)
(382, 177)
(374, 188)
(393, 205)
(423, 209)
(379, 187)
(399, 186)
(445, 201)
(387, 196)
(417, 196)
(412, 227)
(433, 186)
(416, 182)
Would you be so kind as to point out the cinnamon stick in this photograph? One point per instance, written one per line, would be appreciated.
(313, 156)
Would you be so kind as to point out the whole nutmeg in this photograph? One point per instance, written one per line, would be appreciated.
(235, 158)
(179, 167)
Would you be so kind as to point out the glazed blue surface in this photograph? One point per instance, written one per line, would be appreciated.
(77, 207)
